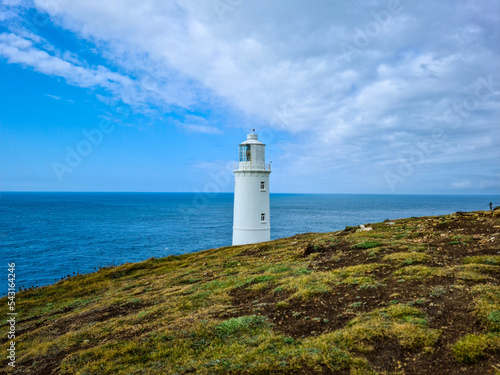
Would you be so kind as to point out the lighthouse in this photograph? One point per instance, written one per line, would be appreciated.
(251, 219)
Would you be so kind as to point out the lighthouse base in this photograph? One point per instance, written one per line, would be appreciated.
(247, 236)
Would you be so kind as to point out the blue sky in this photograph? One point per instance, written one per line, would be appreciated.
(350, 97)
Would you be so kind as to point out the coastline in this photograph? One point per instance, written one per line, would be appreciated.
(52, 235)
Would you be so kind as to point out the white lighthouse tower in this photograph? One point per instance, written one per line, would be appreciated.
(251, 222)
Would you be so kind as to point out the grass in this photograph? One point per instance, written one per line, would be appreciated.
(406, 258)
(367, 245)
(277, 308)
(483, 259)
(417, 272)
(405, 324)
(473, 348)
(487, 305)
(239, 326)
(437, 291)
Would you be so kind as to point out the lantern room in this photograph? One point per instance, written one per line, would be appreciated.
(252, 153)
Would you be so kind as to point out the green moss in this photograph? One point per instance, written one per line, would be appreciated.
(405, 324)
(282, 305)
(474, 272)
(366, 245)
(241, 325)
(437, 291)
(406, 258)
(483, 259)
(259, 279)
(301, 271)
(472, 348)
(494, 318)
(487, 305)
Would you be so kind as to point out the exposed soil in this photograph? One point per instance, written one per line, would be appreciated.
(450, 310)
(446, 301)
(30, 328)
(47, 365)
(452, 315)
(71, 323)
(327, 259)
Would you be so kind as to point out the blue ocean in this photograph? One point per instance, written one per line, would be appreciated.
(52, 235)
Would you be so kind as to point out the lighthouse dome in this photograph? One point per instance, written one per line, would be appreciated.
(252, 139)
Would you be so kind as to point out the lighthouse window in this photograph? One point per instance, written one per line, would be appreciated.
(262, 185)
(262, 217)
(245, 153)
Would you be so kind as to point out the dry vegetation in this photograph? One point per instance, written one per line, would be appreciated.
(412, 296)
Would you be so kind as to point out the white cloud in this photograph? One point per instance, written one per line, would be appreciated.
(462, 184)
(284, 66)
(141, 93)
(201, 129)
(197, 124)
(22, 51)
(4, 16)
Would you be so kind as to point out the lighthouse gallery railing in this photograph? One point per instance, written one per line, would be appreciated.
(244, 166)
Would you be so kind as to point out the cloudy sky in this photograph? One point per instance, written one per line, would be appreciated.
(398, 96)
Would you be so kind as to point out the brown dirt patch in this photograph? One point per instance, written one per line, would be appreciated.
(48, 365)
(29, 328)
(449, 310)
(73, 323)
(468, 224)
(340, 255)
(451, 313)
(325, 312)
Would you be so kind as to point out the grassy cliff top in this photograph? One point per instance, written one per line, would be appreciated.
(410, 296)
